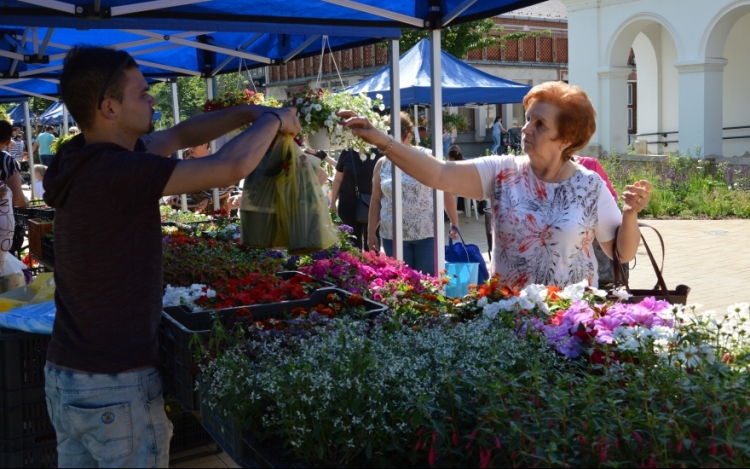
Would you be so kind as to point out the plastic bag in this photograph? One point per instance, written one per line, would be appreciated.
(7, 226)
(303, 216)
(258, 206)
(12, 275)
(36, 318)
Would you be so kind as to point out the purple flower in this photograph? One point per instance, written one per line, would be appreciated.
(291, 263)
(320, 255)
(274, 254)
(346, 229)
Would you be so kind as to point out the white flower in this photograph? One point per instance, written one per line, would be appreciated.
(491, 310)
(482, 302)
(536, 293)
(688, 355)
(630, 345)
(622, 294)
(599, 293)
(575, 292)
(318, 107)
(525, 303)
(379, 96)
(382, 107)
(308, 118)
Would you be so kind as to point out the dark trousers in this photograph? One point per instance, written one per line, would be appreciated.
(46, 159)
(360, 230)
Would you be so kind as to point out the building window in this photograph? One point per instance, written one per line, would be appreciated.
(630, 118)
(630, 94)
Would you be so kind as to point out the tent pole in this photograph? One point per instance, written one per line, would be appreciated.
(29, 149)
(176, 111)
(398, 229)
(416, 124)
(210, 93)
(65, 119)
(437, 145)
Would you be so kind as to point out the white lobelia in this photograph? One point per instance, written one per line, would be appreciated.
(574, 292)
(621, 294)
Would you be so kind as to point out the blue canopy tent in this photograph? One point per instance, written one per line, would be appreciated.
(54, 116)
(306, 17)
(16, 114)
(461, 84)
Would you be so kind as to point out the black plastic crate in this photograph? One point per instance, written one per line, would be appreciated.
(179, 325)
(188, 433)
(28, 421)
(48, 250)
(15, 454)
(22, 215)
(42, 213)
(22, 360)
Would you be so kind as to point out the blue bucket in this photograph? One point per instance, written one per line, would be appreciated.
(462, 274)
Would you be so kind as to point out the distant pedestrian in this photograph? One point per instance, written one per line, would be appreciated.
(39, 170)
(44, 144)
(497, 134)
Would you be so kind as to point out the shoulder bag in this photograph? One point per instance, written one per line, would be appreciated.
(362, 213)
(660, 291)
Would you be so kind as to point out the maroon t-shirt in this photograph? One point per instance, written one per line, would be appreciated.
(108, 255)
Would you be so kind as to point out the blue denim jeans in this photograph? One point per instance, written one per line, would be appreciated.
(419, 254)
(108, 420)
(498, 142)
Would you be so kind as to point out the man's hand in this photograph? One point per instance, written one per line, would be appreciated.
(288, 116)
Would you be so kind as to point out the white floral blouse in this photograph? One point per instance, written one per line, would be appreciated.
(418, 221)
(542, 232)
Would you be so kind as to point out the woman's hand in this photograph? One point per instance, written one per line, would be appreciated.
(453, 234)
(372, 241)
(636, 197)
(363, 128)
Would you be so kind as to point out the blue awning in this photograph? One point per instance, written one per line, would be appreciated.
(461, 83)
(54, 116)
(334, 17)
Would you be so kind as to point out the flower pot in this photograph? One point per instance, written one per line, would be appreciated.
(320, 141)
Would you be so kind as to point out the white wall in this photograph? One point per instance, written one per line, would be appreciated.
(648, 85)
(737, 87)
(692, 38)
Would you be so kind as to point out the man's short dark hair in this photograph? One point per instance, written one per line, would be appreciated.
(86, 72)
(6, 131)
(49, 128)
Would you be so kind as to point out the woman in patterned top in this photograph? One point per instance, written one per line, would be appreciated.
(546, 209)
(418, 221)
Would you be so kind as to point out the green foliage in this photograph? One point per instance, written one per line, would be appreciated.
(686, 187)
(461, 39)
(59, 142)
(192, 97)
(455, 122)
(3, 115)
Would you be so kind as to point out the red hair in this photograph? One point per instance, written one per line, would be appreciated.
(576, 117)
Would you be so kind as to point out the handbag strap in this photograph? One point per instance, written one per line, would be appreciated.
(620, 279)
(463, 243)
(354, 165)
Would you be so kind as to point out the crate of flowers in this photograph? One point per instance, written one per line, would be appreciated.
(245, 301)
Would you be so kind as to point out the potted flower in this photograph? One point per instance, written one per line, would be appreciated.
(239, 98)
(317, 112)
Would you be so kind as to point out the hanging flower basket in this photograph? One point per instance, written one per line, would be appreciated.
(321, 140)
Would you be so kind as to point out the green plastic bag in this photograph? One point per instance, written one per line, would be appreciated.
(303, 219)
(258, 207)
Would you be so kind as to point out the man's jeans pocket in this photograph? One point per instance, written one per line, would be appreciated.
(153, 386)
(107, 432)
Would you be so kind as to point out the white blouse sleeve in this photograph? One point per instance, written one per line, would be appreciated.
(489, 167)
(610, 216)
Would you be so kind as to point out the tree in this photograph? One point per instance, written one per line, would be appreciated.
(191, 93)
(461, 39)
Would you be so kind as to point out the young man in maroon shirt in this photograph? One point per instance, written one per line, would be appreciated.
(103, 389)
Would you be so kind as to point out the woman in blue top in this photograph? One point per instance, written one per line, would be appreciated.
(497, 134)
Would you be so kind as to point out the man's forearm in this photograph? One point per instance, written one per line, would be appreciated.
(210, 126)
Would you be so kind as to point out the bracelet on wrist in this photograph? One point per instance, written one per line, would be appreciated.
(281, 122)
(387, 147)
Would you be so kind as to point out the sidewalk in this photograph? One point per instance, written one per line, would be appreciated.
(712, 257)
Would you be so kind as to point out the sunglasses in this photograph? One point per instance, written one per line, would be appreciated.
(113, 78)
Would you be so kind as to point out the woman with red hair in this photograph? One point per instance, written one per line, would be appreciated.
(547, 209)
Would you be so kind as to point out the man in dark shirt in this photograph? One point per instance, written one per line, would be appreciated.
(103, 388)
